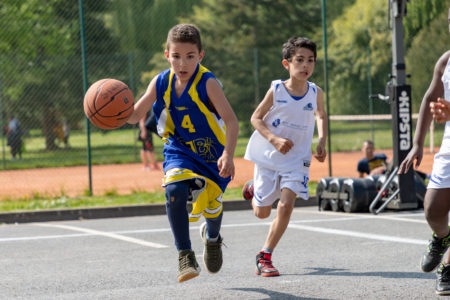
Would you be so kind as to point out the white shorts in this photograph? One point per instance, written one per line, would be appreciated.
(267, 184)
(440, 176)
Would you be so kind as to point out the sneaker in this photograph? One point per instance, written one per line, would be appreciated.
(264, 265)
(435, 250)
(212, 252)
(443, 280)
(188, 267)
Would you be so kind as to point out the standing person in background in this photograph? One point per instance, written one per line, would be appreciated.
(66, 133)
(372, 163)
(280, 147)
(14, 137)
(199, 130)
(437, 198)
(145, 136)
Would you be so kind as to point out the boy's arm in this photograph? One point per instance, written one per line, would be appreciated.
(223, 108)
(322, 127)
(281, 144)
(434, 91)
(144, 104)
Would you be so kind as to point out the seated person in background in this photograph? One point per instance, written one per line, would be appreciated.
(373, 163)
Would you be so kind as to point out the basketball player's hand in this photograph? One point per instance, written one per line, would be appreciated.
(440, 110)
(281, 144)
(416, 154)
(321, 153)
(226, 166)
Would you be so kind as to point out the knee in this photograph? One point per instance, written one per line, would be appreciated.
(177, 194)
(285, 207)
(262, 212)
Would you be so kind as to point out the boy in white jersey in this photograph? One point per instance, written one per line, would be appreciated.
(280, 147)
(437, 197)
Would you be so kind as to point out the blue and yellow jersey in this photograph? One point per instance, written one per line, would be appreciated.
(193, 134)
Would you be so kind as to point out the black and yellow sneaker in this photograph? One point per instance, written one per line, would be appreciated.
(212, 252)
(435, 250)
(443, 280)
(188, 267)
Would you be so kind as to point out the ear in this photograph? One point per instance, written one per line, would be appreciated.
(285, 64)
(201, 54)
(166, 53)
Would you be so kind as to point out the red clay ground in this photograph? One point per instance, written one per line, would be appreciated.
(126, 178)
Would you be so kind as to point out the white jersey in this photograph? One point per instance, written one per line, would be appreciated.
(445, 146)
(289, 117)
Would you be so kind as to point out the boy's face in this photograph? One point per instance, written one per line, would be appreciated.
(368, 150)
(301, 65)
(183, 57)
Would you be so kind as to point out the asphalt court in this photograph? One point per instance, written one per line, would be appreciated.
(322, 255)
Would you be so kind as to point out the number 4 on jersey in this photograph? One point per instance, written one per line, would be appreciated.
(186, 123)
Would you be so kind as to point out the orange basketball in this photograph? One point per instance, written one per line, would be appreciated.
(108, 103)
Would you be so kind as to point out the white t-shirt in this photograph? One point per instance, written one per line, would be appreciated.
(289, 117)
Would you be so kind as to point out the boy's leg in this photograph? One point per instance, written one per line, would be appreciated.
(281, 221)
(212, 252)
(436, 207)
(177, 194)
(285, 206)
(144, 158)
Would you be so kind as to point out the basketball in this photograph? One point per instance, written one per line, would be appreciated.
(247, 190)
(108, 103)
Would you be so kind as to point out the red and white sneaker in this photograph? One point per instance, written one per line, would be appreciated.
(264, 265)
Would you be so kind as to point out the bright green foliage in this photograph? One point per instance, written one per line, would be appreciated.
(361, 26)
(420, 13)
(425, 50)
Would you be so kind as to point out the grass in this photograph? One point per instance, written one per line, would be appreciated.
(111, 198)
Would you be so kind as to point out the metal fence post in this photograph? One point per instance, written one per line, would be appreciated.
(85, 87)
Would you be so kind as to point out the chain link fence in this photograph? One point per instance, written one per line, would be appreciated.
(41, 75)
(41, 78)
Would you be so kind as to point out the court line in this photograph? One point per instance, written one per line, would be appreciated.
(106, 234)
(370, 236)
(400, 217)
(293, 224)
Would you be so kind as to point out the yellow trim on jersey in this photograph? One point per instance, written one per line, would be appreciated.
(169, 126)
(206, 201)
(218, 131)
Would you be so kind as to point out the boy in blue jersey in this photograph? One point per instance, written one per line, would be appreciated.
(280, 147)
(200, 130)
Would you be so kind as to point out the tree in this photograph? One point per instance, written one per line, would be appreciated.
(243, 42)
(41, 65)
(426, 47)
(362, 26)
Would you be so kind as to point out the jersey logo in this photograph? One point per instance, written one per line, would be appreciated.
(276, 123)
(281, 101)
(181, 107)
(308, 107)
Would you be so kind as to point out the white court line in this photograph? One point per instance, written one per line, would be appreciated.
(370, 236)
(106, 234)
(399, 217)
(342, 217)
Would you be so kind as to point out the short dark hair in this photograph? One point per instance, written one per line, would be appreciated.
(184, 33)
(295, 43)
